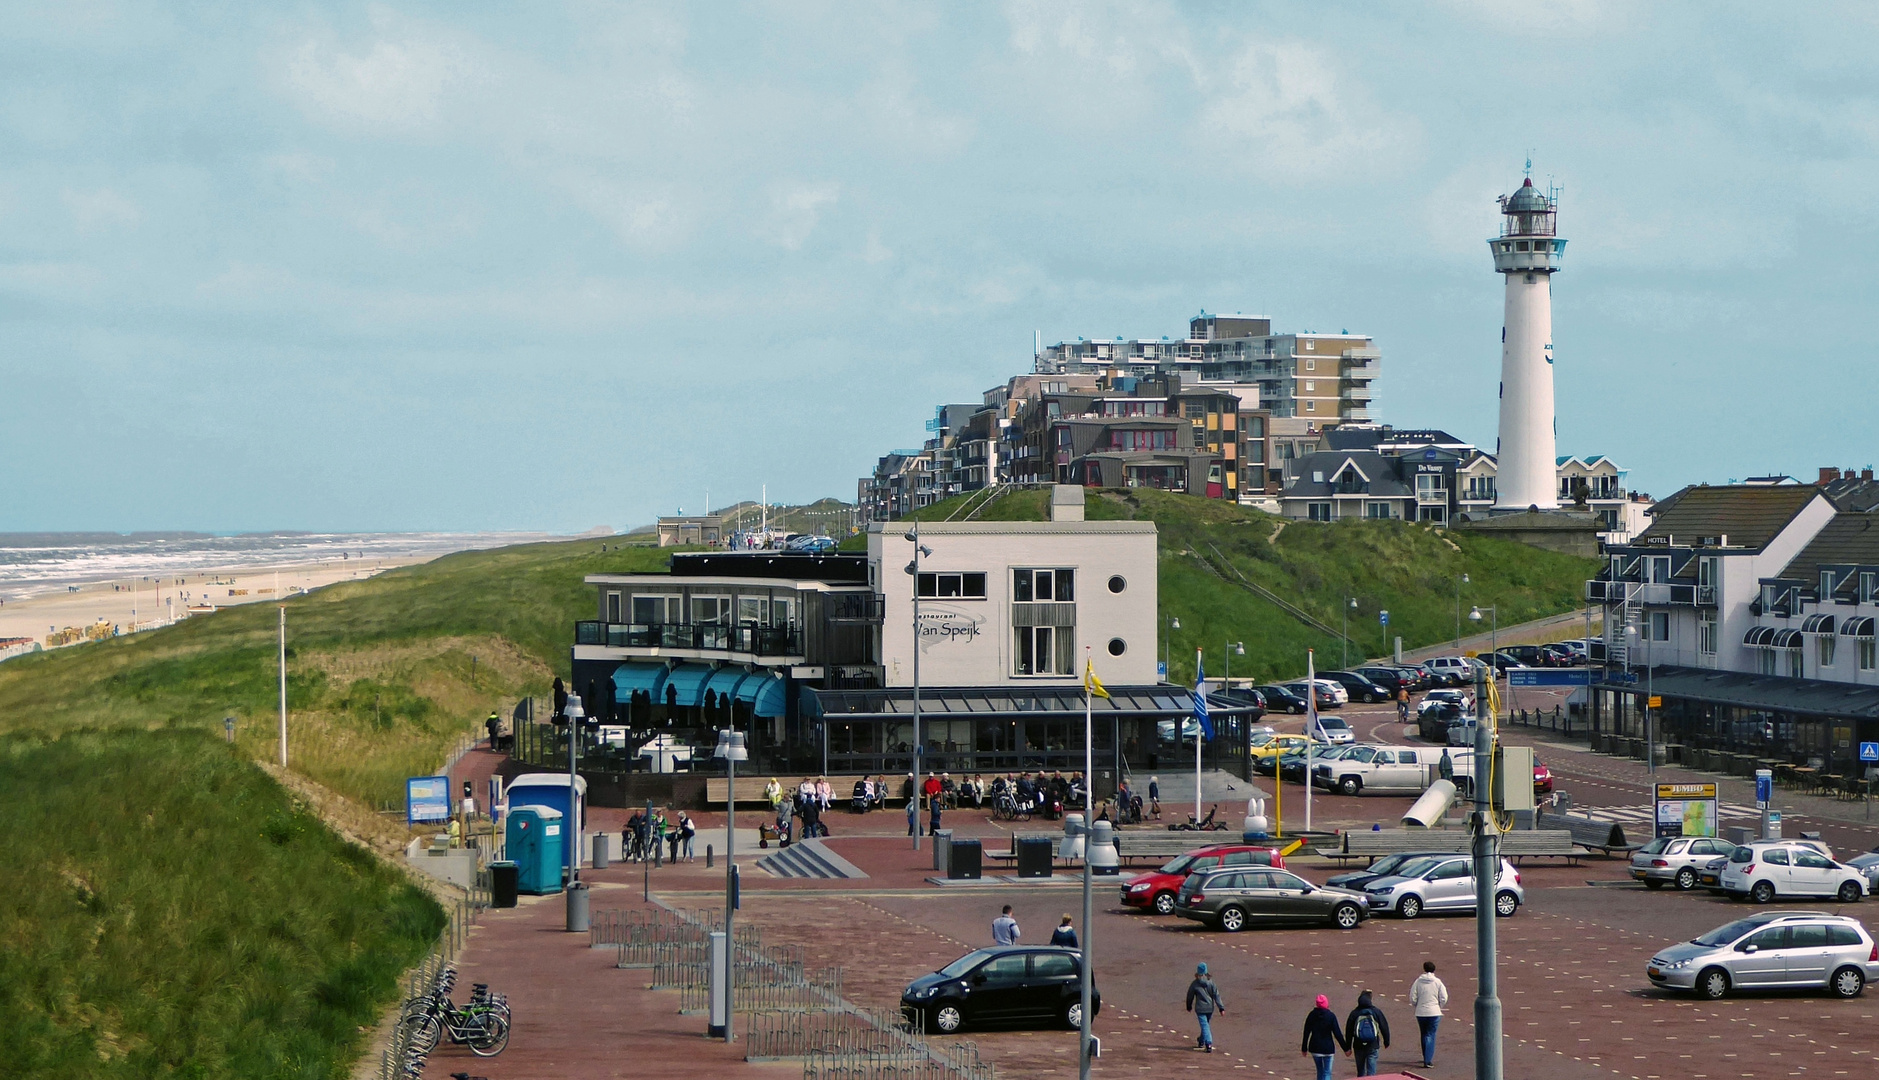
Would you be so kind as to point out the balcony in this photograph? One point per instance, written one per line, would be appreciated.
(1357, 393)
(1431, 496)
(750, 640)
(1357, 414)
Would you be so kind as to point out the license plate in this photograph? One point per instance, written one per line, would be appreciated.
(1639, 874)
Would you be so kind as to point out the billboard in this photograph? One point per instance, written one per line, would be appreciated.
(1686, 810)
(427, 798)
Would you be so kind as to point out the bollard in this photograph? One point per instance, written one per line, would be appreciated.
(707, 856)
(601, 861)
(578, 922)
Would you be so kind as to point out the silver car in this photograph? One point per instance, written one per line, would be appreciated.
(1442, 883)
(1676, 860)
(1776, 949)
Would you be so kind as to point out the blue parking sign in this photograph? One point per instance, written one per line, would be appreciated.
(1764, 789)
(1869, 751)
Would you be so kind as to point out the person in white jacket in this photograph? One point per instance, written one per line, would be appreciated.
(1429, 997)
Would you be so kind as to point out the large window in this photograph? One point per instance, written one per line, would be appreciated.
(1156, 439)
(1823, 650)
(708, 610)
(1660, 626)
(964, 586)
(1706, 633)
(1036, 586)
(1795, 668)
(1377, 511)
(653, 610)
(1044, 650)
(1318, 511)
(1868, 654)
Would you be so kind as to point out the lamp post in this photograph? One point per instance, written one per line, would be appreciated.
(1167, 668)
(1344, 628)
(732, 750)
(1459, 582)
(1232, 649)
(574, 713)
(919, 764)
(1494, 646)
(1650, 748)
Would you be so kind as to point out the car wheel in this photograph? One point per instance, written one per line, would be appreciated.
(1713, 983)
(948, 1019)
(1763, 892)
(1346, 917)
(1232, 920)
(1164, 903)
(1350, 785)
(1409, 907)
(1073, 1015)
(1649, 884)
(1847, 982)
(1686, 879)
(1850, 892)
(1505, 904)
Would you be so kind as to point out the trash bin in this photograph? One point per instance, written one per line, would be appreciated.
(600, 851)
(963, 860)
(577, 908)
(1034, 856)
(502, 884)
(942, 841)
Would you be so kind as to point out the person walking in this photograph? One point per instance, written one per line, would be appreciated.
(1005, 928)
(688, 831)
(1065, 936)
(1323, 1037)
(676, 836)
(1203, 1000)
(1367, 1031)
(1429, 997)
(933, 808)
(913, 816)
(1154, 796)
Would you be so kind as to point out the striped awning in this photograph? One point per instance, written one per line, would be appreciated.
(1817, 624)
(764, 691)
(1786, 639)
(1759, 637)
(1858, 626)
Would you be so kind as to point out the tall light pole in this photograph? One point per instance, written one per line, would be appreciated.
(1650, 749)
(1233, 648)
(283, 658)
(919, 764)
(1344, 627)
(731, 748)
(1459, 582)
(574, 713)
(1487, 866)
(1167, 643)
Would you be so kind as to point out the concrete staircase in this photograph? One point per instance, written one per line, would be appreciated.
(809, 859)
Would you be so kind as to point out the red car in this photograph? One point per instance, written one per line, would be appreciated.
(1157, 888)
(1542, 779)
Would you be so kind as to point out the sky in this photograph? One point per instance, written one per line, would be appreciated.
(484, 266)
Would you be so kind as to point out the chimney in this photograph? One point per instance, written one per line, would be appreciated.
(1828, 474)
(1066, 502)
(1866, 473)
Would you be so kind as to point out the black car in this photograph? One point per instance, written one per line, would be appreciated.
(1391, 679)
(1279, 699)
(1432, 722)
(1530, 655)
(1251, 702)
(1361, 688)
(1384, 867)
(1009, 985)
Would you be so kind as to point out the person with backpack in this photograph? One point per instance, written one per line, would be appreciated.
(1429, 996)
(1367, 1031)
(1203, 1000)
(1323, 1037)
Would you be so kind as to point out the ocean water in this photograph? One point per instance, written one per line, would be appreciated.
(35, 563)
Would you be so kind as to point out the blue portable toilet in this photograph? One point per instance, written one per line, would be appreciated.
(550, 791)
(534, 840)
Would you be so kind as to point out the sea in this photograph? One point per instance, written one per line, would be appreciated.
(37, 563)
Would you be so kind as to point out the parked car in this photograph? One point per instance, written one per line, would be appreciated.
(1576, 648)
(1432, 723)
(1251, 702)
(1676, 860)
(1453, 670)
(1501, 662)
(1543, 778)
(1292, 764)
(1867, 864)
(1382, 868)
(1442, 883)
(1769, 868)
(1280, 699)
(1013, 984)
(1266, 747)
(1379, 769)
(1391, 679)
(1560, 656)
(1785, 949)
(1530, 655)
(1232, 900)
(1157, 889)
(1457, 698)
(1334, 730)
(1330, 694)
(1709, 876)
(1358, 687)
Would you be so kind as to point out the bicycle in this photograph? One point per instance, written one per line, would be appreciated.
(1006, 808)
(482, 1024)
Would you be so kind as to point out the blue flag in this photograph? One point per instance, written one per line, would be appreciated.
(1200, 701)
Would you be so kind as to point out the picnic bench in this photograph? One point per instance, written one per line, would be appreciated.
(750, 789)
(1593, 834)
(1516, 845)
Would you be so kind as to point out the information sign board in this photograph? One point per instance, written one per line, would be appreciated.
(427, 798)
(1686, 810)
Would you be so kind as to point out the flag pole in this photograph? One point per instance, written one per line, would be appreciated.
(1311, 726)
(1199, 697)
(1089, 810)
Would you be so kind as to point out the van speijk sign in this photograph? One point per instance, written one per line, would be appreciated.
(945, 627)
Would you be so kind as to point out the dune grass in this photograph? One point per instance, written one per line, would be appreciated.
(170, 912)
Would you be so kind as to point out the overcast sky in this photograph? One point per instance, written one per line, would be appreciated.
(465, 266)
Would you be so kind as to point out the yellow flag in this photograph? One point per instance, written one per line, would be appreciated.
(1090, 682)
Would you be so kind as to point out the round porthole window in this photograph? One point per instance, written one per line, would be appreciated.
(1117, 584)
(1117, 646)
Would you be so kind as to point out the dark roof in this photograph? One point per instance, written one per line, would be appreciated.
(989, 701)
(833, 569)
(1774, 693)
(1847, 540)
(1526, 200)
(1385, 481)
(1749, 516)
(1853, 493)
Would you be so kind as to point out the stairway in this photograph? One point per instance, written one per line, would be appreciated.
(808, 859)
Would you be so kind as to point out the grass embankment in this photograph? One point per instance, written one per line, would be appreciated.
(1409, 570)
(170, 912)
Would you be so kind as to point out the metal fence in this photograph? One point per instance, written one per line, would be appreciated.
(1556, 719)
(897, 1063)
(401, 1060)
(781, 1034)
(639, 926)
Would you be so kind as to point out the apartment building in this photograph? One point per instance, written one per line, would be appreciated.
(1749, 609)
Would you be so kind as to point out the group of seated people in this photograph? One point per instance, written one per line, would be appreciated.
(1041, 794)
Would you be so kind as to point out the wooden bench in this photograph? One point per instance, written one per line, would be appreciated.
(750, 789)
(1519, 844)
(1593, 834)
(1539, 844)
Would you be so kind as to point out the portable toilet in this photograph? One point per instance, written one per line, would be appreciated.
(550, 790)
(534, 838)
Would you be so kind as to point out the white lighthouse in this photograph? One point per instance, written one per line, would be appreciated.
(1527, 253)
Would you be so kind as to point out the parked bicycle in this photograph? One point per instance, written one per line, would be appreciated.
(482, 1024)
(1007, 808)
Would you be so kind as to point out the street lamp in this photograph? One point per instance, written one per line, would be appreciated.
(1344, 634)
(1174, 623)
(1459, 582)
(919, 766)
(1233, 649)
(1650, 748)
(732, 750)
(1494, 635)
(573, 711)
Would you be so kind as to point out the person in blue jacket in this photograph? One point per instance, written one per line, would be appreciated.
(1324, 1037)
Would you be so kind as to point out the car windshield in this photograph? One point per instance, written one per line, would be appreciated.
(963, 964)
(1723, 935)
(1655, 847)
(1333, 723)
(1262, 739)
(1361, 753)
(1387, 865)
(1178, 865)
(1418, 866)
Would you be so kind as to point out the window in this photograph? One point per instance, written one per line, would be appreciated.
(1767, 661)
(1868, 587)
(613, 607)
(1053, 966)
(1311, 363)
(708, 610)
(1768, 597)
(1658, 569)
(1311, 406)
(966, 586)
(1708, 572)
(653, 610)
(1117, 646)
(1868, 654)
(1311, 386)
(1043, 586)
(1311, 346)
(1826, 585)
(1841, 934)
(1823, 650)
(1004, 969)
(1125, 439)
(1377, 511)
(1813, 860)
(1775, 857)
(1318, 511)
(1795, 671)
(1660, 626)
(1117, 583)
(1043, 650)
(1706, 633)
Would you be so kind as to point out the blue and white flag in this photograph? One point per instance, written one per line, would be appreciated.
(1200, 701)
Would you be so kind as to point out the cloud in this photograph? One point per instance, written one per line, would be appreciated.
(391, 85)
(1285, 108)
(100, 210)
(794, 211)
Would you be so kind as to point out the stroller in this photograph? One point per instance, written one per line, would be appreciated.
(858, 804)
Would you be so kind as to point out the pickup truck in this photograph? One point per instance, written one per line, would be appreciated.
(1391, 770)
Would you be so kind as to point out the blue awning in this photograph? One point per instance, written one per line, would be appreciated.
(767, 695)
(686, 684)
(764, 692)
(630, 677)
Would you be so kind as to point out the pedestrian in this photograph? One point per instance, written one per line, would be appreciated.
(676, 836)
(1323, 1037)
(1154, 796)
(1429, 997)
(1065, 936)
(658, 838)
(1203, 1000)
(1446, 767)
(1005, 928)
(933, 807)
(1367, 1031)
(688, 831)
(913, 816)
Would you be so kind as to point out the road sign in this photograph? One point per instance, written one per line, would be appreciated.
(1764, 786)
(1383, 617)
(1869, 751)
(1655, 701)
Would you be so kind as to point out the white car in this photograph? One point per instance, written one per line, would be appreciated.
(1457, 668)
(1442, 883)
(1334, 730)
(1767, 869)
(1457, 698)
(1378, 769)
